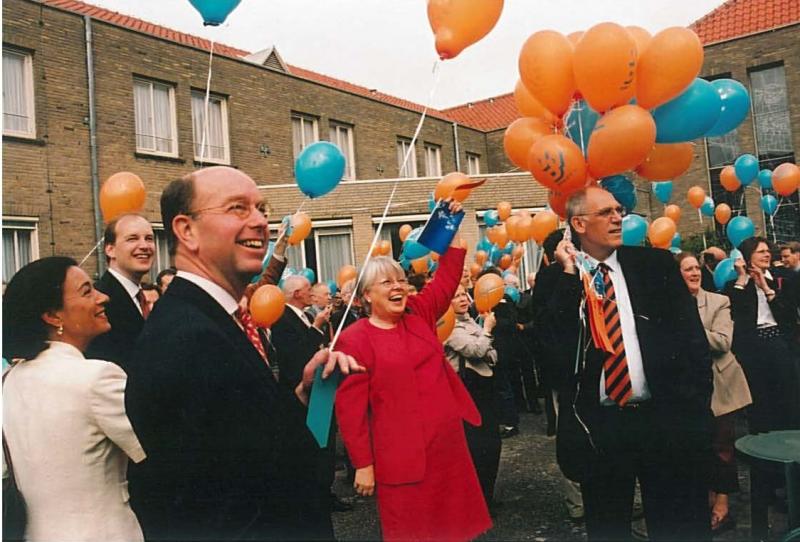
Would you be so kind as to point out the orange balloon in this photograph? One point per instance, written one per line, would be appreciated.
(445, 324)
(544, 223)
(728, 179)
(450, 187)
(383, 248)
(488, 292)
(545, 67)
(420, 265)
(474, 269)
(520, 137)
(517, 252)
(525, 227)
(503, 210)
(122, 193)
(673, 212)
(661, 232)
(480, 257)
(786, 179)
(505, 261)
(668, 65)
(575, 37)
(605, 66)
(498, 235)
(346, 273)
(666, 161)
(557, 163)
(529, 106)
(403, 232)
(518, 228)
(558, 203)
(457, 24)
(621, 140)
(696, 196)
(641, 36)
(301, 227)
(722, 213)
(267, 305)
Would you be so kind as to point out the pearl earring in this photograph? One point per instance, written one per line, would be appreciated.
(60, 330)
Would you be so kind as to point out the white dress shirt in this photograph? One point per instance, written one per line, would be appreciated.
(131, 287)
(765, 317)
(630, 340)
(300, 314)
(213, 289)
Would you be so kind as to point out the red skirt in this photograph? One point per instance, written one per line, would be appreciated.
(447, 504)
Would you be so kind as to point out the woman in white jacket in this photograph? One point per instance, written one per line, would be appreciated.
(64, 416)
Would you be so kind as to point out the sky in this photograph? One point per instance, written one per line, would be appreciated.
(388, 44)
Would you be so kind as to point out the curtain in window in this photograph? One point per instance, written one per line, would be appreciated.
(340, 136)
(294, 256)
(9, 258)
(16, 251)
(334, 252)
(411, 167)
(163, 118)
(144, 116)
(15, 102)
(433, 166)
(215, 139)
(297, 136)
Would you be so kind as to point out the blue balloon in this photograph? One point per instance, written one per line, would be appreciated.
(676, 240)
(634, 230)
(675, 250)
(319, 168)
(483, 244)
(708, 207)
(332, 287)
(662, 191)
(746, 167)
(724, 273)
(411, 248)
(735, 106)
(405, 263)
(490, 218)
(735, 254)
(513, 293)
(769, 204)
(765, 179)
(509, 248)
(739, 229)
(309, 274)
(214, 12)
(622, 189)
(507, 272)
(688, 116)
(493, 254)
(288, 272)
(580, 123)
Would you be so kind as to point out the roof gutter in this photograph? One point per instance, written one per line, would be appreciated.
(455, 145)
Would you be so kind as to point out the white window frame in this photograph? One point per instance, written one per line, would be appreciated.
(197, 139)
(337, 131)
(22, 223)
(410, 171)
(433, 160)
(476, 159)
(173, 117)
(303, 118)
(159, 235)
(301, 247)
(30, 102)
(332, 228)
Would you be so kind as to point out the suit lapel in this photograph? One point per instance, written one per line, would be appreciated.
(126, 309)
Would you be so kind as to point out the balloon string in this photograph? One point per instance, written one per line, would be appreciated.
(206, 120)
(580, 128)
(436, 73)
(700, 216)
(90, 252)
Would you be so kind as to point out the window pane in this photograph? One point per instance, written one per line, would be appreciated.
(433, 166)
(334, 252)
(216, 138)
(15, 93)
(723, 150)
(163, 118)
(410, 169)
(297, 136)
(143, 116)
(771, 112)
(9, 259)
(162, 259)
(473, 164)
(17, 250)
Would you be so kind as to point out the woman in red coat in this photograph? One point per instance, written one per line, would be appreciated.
(402, 420)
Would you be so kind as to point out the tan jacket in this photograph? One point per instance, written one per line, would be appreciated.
(469, 342)
(70, 439)
(731, 391)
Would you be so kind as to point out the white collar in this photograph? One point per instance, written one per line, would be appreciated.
(300, 314)
(66, 349)
(213, 289)
(612, 262)
(131, 287)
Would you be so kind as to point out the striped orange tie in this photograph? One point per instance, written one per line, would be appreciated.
(615, 367)
(252, 334)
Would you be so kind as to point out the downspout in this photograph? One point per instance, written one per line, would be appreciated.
(98, 218)
(455, 144)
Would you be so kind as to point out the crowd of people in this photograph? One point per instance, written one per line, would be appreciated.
(163, 412)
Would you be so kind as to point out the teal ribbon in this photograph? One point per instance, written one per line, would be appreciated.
(320, 405)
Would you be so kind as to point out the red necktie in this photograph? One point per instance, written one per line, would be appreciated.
(615, 367)
(252, 333)
(143, 303)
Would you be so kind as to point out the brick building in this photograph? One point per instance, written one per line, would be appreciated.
(89, 92)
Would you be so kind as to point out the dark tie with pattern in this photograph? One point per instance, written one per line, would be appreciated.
(252, 333)
(615, 367)
(143, 303)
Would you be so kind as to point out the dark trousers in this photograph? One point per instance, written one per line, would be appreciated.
(724, 477)
(673, 482)
(504, 394)
(484, 441)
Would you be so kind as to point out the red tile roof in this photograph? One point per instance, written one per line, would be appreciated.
(738, 18)
(488, 115)
(225, 50)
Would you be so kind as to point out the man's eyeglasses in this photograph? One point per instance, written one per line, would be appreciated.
(240, 210)
(607, 212)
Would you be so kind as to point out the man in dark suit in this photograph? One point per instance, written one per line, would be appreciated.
(129, 245)
(639, 407)
(228, 454)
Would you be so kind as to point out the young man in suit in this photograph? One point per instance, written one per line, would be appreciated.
(129, 245)
(639, 408)
(229, 454)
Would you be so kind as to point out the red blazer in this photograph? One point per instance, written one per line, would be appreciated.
(379, 412)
